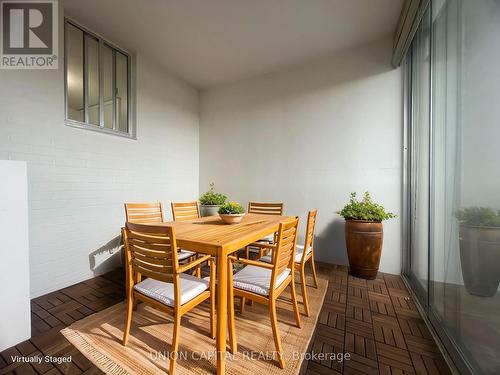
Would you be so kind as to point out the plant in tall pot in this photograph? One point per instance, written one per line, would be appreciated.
(364, 235)
(480, 249)
(211, 201)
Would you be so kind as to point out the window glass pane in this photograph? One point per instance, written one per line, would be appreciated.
(419, 157)
(445, 264)
(74, 73)
(121, 92)
(97, 81)
(465, 257)
(459, 229)
(108, 86)
(93, 79)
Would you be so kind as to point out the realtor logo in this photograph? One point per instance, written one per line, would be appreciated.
(28, 34)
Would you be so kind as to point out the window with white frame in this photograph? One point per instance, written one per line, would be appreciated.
(97, 82)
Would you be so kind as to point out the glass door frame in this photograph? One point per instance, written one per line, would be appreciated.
(408, 180)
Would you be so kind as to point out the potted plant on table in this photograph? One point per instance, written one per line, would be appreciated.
(364, 235)
(480, 249)
(231, 212)
(211, 201)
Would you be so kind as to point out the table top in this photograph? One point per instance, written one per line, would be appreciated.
(209, 235)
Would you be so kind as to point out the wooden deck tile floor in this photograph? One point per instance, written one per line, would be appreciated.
(375, 323)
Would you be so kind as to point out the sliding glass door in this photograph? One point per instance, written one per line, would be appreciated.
(419, 158)
(454, 178)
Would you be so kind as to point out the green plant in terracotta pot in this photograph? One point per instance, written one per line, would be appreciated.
(211, 201)
(231, 212)
(364, 234)
(480, 249)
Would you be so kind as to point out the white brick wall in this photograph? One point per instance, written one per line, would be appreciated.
(79, 179)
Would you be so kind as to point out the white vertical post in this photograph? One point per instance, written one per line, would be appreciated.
(15, 317)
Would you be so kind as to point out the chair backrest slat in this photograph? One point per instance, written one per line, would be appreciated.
(265, 208)
(153, 274)
(154, 250)
(145, 257)
(144, 212)
(284, 254)
(156, 268)
(151, 251)
(184, 211)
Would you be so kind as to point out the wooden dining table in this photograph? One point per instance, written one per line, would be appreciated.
(209, 235)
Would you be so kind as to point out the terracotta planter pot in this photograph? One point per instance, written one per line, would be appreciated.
(231, 218)
(364, 247)
(209, 210)
(480, 259)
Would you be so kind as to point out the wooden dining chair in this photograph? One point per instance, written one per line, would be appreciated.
(263, 209)
(185, 211)
(303, 257)
(151, 252)
(144, 213)
(264, 283)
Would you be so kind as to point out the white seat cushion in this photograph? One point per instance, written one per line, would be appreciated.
(257, 279)
(299, 250)
(268, 238)
(164, 292)
(184, 254)
(267, 258)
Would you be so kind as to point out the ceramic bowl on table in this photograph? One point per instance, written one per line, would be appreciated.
(231, 218)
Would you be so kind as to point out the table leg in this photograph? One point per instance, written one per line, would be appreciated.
(221, 314)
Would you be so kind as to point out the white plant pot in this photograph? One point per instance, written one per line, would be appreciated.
(209, 210)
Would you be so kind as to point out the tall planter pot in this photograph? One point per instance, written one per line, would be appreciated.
(480, 259)
(364, 247)
(209, 210)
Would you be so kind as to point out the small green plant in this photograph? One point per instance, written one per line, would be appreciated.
(479, 217)
(212, 198)
(229, 208)
(364, 209)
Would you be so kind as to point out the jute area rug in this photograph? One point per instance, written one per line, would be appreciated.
(99, 337)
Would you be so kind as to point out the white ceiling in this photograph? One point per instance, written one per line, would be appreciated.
(212, 42)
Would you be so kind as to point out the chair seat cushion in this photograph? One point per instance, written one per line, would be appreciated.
(257, 279)
(266, 239)
(299, 250)
(184, 254)
(267, 258)
(163, 292)
(269, 238)
(255, 250)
